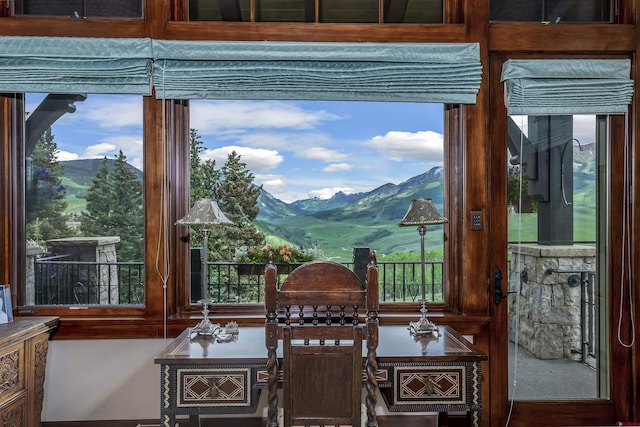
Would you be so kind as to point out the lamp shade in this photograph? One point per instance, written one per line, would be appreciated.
(422, 212)
(204, 212)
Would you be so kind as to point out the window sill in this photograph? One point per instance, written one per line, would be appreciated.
(119, 327)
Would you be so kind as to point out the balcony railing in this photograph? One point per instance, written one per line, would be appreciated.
(61, 281)
(586, 279)
(243, 283)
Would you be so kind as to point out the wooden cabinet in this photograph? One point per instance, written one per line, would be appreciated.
(23, 358)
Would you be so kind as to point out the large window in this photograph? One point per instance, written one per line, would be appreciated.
(324, 11)
(335, 179)
(83, 163)
(79, 8)
(551, 11)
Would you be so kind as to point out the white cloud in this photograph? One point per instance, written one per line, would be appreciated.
(402, 146)
(321, 153)
(272, 183)
(338, 167)
(98, 151)
(111, 112)
(271, 180)
(130, 145)
(290, 141)
(256, 159)
(63, 156)
(584, 128)
(327, 193)
(292, 188)
(289, 196)
(213, 116)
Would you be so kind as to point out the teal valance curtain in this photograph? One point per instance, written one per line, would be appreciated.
(75, 64)
(415, 72)
(567, 86)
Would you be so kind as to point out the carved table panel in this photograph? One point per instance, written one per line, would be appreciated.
(202, 376)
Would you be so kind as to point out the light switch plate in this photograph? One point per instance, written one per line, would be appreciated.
(476, 220)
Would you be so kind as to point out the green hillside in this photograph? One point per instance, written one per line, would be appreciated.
(77, 177)
(75, 197)
(337, 225)
(524, 227)
(371, 221)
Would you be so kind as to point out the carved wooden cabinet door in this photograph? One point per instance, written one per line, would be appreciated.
(23, 357)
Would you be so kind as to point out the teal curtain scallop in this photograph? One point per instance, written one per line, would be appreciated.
(567, 86)
(413, 72)
(75, 64)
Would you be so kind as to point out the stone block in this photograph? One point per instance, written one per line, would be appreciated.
(547, 342)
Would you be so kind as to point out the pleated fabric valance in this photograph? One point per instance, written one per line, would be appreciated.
(416, 72)
(75, 64)
(567, 86)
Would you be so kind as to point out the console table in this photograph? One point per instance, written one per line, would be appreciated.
(23, 358)
(201, 376)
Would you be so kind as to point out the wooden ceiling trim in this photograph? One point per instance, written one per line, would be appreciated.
(433, 33)
(562, 38)
(52, 27)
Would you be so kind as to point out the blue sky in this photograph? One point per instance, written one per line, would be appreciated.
(296, 150)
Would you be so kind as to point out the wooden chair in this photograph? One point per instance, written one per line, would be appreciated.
(318, 315)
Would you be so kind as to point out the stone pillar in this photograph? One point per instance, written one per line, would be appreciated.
(549, 311)
(101, 281)
(32, 253)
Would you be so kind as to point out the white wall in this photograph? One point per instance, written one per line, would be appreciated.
(99, 380)
(102, 380)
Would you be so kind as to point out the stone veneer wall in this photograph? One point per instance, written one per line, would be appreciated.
(549, 307)
(32, 253)
(98, 250)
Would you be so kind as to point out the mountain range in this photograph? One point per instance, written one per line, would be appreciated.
(334, 226)
(337, 225)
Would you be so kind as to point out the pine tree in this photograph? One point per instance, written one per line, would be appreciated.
(114, 208)
(233, 189)
(203, 180)
(127, 210)
(238, 193)
(96, 220)
(239, 201)
(204, 177)
(45, 194)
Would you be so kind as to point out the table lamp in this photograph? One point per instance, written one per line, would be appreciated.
(422, 212)
(205, 213)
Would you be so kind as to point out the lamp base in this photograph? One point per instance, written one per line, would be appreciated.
(205, 327)
(423, 326)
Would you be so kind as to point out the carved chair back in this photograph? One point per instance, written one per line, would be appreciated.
(321, 314)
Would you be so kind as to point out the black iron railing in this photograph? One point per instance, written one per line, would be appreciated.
(62, 281)
(59, 280)
(588, 310)
(243, 283)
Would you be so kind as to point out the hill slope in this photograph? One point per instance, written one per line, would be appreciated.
(77, 176)
(339, 224)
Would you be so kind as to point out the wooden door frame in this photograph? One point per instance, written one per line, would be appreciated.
(570, 412)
